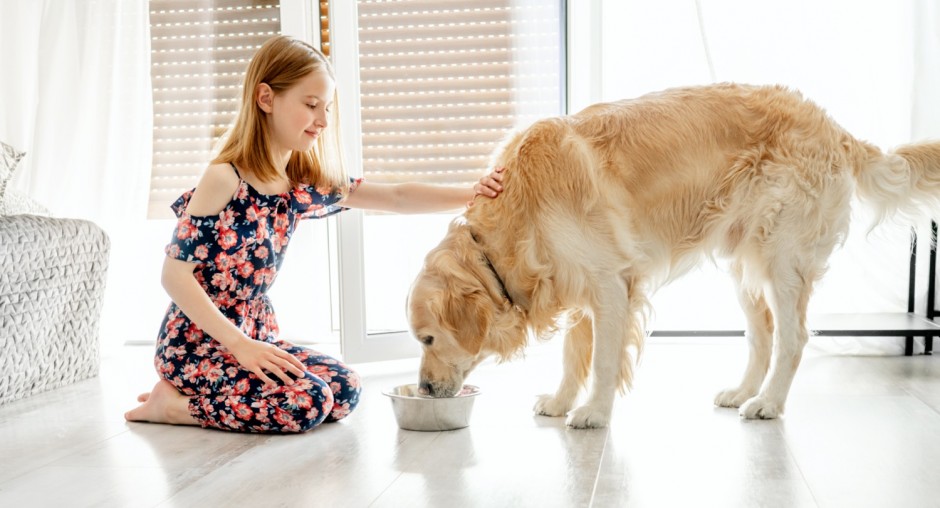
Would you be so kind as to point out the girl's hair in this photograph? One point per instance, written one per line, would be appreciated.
(281, 63)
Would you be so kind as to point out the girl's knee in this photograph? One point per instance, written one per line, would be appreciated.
(321, 406)
(305, 405)
(351, 385)
(343, 384)
(346, 390)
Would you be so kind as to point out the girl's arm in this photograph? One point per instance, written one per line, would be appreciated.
(420, 197)
(212, 193)
(256, 356)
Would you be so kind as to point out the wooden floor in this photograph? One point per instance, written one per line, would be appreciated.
(859, 431)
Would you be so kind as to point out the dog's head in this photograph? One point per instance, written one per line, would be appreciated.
(458, 311)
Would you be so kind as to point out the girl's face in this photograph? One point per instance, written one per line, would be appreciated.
(299, 114)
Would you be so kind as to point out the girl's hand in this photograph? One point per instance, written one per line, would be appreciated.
(258, 357)
(489, 186)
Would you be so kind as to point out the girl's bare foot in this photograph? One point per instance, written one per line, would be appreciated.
(164, 404)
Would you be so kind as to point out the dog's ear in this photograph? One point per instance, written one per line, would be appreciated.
(469, 316)
(465, 305)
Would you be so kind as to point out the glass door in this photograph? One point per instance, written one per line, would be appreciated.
(428, 89)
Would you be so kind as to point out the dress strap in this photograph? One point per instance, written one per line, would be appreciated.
(236, 170)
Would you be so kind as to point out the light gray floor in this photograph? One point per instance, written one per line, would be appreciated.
(859, 431)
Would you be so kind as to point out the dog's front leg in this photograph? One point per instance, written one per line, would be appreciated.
(614, 329)
(576, 364)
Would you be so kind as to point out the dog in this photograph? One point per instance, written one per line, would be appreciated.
(603, 207)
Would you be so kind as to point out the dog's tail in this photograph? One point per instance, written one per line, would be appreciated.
(905, 181)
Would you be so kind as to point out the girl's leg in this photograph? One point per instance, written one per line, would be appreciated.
(225, 396)
(343, 382)
(211, 389)
(245, 404)
(165, 404)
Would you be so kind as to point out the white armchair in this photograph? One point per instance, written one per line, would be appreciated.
(52, 279)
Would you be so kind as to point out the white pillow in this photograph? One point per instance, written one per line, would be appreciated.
(12, 201)
(17, 203)
(9, 158)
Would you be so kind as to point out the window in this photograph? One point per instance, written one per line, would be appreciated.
(200, 50)
(442, 82)
(428, 88)
(199, 53)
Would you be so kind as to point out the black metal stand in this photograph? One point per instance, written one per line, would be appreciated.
(931, 287)
(911, 282)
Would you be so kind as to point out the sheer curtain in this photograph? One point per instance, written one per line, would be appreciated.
(875, 66)
(75, 96)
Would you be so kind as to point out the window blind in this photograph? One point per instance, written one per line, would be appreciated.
(325, 42)
(200, 50)
(443, 81)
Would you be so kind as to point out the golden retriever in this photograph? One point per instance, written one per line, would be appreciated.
(602, 207)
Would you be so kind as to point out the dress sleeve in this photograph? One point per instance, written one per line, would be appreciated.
(311, 202)
(199, 239)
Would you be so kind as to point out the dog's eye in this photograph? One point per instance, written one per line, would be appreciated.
(427, 340)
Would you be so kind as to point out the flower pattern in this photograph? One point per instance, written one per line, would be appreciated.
(236, 255)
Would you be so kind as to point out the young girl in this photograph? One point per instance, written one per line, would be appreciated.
(218, 354)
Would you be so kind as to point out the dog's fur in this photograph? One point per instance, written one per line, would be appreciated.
(602, 207)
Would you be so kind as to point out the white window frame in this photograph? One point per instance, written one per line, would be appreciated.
(358, 345)
(583, 36)
(300, 19)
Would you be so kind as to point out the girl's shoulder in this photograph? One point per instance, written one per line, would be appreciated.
(215, 190)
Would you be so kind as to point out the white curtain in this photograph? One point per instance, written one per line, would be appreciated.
(75, 96)
(875, 66)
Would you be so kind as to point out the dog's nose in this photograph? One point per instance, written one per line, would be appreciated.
(424, 388)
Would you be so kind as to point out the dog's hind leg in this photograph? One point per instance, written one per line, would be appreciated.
(760, 329)
(576, 363)
(788, 297)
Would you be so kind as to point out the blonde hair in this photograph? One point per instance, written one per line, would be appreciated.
(281, 63)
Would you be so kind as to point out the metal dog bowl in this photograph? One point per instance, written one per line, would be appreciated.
(414, 411)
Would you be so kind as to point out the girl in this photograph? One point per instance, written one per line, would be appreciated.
(218, 354)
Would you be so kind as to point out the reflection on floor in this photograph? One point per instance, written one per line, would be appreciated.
(859, 431)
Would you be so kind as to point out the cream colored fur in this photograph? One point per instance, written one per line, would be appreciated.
(602, 207)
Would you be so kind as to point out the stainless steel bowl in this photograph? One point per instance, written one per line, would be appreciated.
(414, 411)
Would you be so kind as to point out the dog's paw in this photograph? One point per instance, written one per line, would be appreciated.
(732, 397)
(588, 417)
(760, 408)
(548, 405)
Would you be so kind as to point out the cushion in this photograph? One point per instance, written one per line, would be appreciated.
(9, 158)
(17, 203)
(12, 201)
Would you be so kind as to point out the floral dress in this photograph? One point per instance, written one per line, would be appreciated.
(236, 254)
